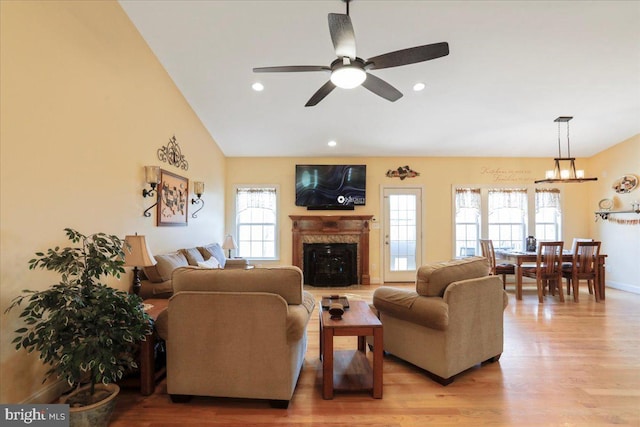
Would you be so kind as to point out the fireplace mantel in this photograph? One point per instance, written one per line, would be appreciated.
(333, 228)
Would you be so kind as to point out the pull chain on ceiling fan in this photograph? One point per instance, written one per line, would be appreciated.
(350, 71)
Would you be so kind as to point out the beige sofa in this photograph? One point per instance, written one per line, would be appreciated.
(451, 322)
(156, 280)
(236, 333)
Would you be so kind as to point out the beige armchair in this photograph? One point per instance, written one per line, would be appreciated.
(236, 333)
(451, 322)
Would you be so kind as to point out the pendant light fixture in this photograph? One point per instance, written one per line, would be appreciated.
(564, 167)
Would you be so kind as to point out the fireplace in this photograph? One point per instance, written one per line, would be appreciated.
(330, 264)
(329, 230)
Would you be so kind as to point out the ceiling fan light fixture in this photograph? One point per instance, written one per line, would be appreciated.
(347, 75)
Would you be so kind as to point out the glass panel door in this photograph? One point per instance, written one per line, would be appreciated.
(402, 233)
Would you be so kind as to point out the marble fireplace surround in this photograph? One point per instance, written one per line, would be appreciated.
(333, 229)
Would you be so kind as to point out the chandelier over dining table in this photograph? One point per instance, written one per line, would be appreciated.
(564, 169)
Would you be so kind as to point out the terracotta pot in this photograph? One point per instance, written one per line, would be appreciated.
(94, 415)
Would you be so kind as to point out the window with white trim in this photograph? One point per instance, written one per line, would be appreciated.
(467, 223)
(256, 221)
(506, 215)
(548, 214)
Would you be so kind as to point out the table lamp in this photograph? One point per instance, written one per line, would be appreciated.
(229, 244)
(137, 254)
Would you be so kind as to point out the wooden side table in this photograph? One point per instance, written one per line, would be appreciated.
(148, 374)
(358, 321)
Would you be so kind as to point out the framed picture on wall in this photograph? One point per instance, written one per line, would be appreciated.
(173, 192)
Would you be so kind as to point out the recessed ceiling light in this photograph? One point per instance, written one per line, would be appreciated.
(418, 87)
(332, 143)
(258, 87)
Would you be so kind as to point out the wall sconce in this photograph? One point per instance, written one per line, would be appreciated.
(151, 177)
(137, 254)
(198, 189)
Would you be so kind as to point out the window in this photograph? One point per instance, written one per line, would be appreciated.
(256, 222)
(548, 214)
(467, 221)
(505, 215)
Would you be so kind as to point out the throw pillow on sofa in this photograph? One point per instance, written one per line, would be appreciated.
(213, 250)
(165, 265)
(210, 263)
(192, 255)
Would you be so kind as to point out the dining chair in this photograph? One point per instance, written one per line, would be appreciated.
(584, 266)
(486, 246)
(548, 269)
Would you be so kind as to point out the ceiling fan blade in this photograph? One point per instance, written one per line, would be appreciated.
(381, 88)
(291, 69)
(342, 35)
(408, 56)
(320, 94)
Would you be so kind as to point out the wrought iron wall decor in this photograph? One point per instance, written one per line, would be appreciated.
(171, 154)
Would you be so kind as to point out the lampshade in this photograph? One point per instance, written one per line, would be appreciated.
(229, 243)
(198, 187)
(152, 174)
(137, 254)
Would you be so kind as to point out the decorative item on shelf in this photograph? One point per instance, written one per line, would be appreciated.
(605, 204)
(570, 174)
(229, 244)
(625, 184)
(402, 172)
(173, 196)
(172, 154)
(198, 189)
(151, 177)
(137, 254)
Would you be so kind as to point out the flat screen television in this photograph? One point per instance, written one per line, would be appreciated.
(331, 186)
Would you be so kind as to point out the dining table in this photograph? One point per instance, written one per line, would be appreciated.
(520, 258)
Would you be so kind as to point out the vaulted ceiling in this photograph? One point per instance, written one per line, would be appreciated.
(513, 67)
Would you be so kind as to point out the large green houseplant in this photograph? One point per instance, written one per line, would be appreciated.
(87, 331)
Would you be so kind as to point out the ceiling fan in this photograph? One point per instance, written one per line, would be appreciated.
(349, 71)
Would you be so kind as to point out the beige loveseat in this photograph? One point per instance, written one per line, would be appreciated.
(156, 281)
(451, 322)
(236, 333)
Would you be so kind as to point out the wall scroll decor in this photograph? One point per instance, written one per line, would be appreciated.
(626, 184)
(172, 199)
(402, 172)
(171, 154)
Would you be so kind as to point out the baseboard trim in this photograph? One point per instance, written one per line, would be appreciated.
(48, 394)
(623, 287)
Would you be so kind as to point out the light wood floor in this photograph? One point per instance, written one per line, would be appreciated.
(563, 365)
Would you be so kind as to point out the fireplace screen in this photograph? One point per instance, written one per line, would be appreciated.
(330, 264)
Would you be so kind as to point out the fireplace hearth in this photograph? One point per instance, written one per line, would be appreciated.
(330, 264)
(333, 229)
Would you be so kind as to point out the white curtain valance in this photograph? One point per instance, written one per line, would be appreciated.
(467, 198)
(548, 198)
(264, 198)
(507, 198)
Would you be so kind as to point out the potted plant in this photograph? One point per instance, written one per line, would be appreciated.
(87, 331)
